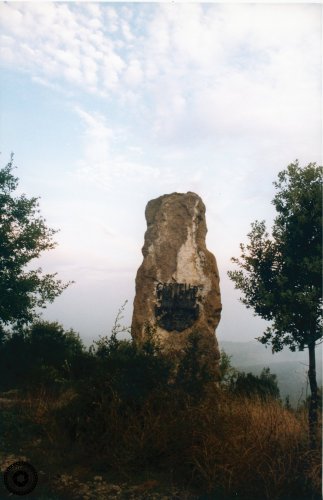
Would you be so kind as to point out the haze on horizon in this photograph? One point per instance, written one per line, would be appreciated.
(109, 105)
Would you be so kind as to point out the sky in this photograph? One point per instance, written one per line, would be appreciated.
(109, 105)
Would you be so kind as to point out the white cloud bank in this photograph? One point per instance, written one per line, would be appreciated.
(102, 162)
(196, 70)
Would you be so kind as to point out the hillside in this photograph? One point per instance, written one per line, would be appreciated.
(290, 368)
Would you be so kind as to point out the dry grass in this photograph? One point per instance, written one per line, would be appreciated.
(223, 445)
(252, 449)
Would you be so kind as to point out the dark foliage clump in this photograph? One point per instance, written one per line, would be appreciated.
(41, 354)
(264, 386)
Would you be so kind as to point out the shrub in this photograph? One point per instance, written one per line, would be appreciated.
(224, 445)
(194, 374)
(43, 354)
(129, 408)
(264, 386)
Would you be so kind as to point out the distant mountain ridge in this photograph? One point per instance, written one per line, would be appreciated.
(290, 367)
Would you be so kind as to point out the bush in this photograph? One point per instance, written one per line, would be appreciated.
(123, 377)
(43, 354)
(225, 445)
(264, 386)
(133, 414)
(193, 374)
(129, 408)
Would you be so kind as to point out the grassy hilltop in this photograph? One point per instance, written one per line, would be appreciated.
(120, 421)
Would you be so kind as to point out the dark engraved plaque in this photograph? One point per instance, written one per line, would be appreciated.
(177, 305)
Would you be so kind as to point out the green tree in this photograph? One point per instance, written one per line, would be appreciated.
(228, 373)
(23, 236)
(133, 370)
(194, 373)
(264, 386)
(42, 353)
(280, 275)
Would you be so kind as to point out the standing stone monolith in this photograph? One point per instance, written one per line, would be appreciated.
(177, 284)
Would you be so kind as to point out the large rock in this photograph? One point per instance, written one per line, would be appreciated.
(177, 285)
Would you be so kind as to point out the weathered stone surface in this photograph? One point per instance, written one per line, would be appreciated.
(177, 285)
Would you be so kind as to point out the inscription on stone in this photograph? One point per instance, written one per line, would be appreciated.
(177, 305)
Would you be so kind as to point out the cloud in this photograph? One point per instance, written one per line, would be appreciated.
(242, 69)
(194, 71)
(103, 162)
(60, 41)
(134, 74)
